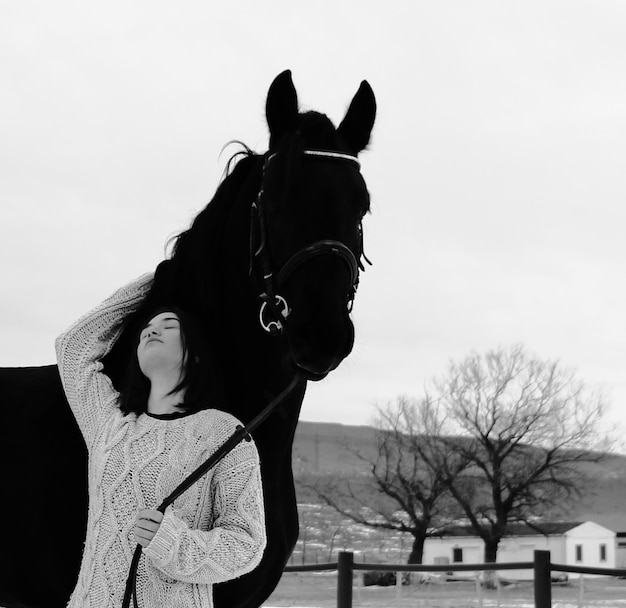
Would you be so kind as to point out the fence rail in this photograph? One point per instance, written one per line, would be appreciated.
(541, 566)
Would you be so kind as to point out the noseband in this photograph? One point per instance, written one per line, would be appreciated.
(275, 308)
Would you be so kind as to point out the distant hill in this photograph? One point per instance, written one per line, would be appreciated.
(327, 449)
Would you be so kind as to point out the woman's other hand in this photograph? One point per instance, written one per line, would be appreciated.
(146, 526)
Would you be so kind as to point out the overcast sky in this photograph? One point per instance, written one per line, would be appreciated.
(496, 167)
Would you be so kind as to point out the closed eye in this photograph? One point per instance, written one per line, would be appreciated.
(169, 323)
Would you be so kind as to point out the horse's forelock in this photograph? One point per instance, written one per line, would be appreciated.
(314, 130)
(317, 131)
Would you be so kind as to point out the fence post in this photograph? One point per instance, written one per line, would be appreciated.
(479, 588)
(543, 588)
(345, 563)
(581, 589)
(398, 586)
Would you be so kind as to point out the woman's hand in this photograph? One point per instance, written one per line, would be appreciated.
(146, 526)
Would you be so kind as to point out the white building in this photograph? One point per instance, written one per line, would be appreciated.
(576, 544)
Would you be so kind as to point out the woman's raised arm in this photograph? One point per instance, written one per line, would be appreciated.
(80, 349)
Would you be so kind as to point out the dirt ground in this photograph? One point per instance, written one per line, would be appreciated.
(319, 590)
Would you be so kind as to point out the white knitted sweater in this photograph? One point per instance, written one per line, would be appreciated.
(212, 533)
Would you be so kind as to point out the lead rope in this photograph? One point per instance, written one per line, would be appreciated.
(240, 434)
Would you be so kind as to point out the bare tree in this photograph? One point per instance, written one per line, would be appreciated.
(525, 427)
(501, 438)
(400, 492)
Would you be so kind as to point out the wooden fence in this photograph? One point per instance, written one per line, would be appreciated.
(541, 565)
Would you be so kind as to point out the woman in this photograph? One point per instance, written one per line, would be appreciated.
(141, 445)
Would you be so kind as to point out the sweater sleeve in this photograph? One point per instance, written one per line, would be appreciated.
(79, 350)
(235, 543)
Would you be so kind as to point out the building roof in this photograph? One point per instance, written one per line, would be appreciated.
(544, 528)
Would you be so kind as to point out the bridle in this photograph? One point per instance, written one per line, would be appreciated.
(274, 308)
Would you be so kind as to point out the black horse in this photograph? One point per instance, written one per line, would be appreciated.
(282, 234)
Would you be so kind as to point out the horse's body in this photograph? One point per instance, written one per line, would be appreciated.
(306, 200)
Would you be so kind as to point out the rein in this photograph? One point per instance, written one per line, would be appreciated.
(241, 433)
(273, 303)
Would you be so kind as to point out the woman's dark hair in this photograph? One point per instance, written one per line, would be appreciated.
(199, 377)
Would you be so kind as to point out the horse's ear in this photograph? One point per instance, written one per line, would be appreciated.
(357, 124)
(281, 108)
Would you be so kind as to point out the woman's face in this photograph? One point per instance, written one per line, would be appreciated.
(160, 347)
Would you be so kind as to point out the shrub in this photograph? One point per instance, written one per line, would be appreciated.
(384, 579)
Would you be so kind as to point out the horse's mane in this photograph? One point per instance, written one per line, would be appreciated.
(196, 253)
(210, 220)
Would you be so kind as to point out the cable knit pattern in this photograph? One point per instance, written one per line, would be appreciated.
(212, 533)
